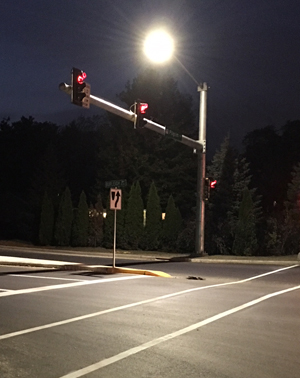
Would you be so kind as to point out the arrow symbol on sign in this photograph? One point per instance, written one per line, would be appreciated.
(115, 199)
(118, 197)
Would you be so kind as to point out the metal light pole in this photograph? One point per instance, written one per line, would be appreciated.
(165, 44)
(200, 204)
(200, 209)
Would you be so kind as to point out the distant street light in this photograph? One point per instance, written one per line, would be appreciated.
(159, 47)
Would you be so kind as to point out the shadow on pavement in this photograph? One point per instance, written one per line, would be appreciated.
(120, 265)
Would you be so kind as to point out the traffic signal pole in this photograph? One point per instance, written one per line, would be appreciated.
(200, 209)
(198, 146)
(130, 116)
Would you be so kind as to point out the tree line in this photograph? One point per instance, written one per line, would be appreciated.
(86, 226)
(46, 169)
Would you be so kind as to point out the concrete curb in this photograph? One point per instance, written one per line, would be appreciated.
(162, 257)
(207, 260)
(254, 262)
(112, 270)
(62, 265)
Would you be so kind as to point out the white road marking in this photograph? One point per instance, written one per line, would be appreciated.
(5, 290)
(268, 273)
(66, 286)
(45, 277)
(159, 340)
(130, 305)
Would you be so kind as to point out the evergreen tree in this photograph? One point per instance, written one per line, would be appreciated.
(133, 227)
(214, 170)
(171, 226)
(186, 239)
(273, 242)
(22, 145)
(241, 182)
(222, 217)
(264, 150)
(108, 226)
(79, 143)
(245, 241)
(63, 225)
(152, 230)
(48, 176)
(218, 231)
(46, 221)
(121, 214)
(81, 223)
(291, 224)
(95, 234)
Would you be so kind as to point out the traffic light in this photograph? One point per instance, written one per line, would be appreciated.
(212, 184)
(140, 111)
(81, 91)
(206, 189)
(207, 186)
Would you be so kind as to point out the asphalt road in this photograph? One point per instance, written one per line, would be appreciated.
(233, 321)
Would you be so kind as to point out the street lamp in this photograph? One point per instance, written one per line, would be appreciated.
(159, 47)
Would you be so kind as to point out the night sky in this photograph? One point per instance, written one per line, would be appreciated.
(247, 51)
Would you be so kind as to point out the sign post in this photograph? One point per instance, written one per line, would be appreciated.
(115, 204)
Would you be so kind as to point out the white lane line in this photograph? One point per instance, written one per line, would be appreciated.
(268, 273)
(66, 286)
(5, 290)
(124, 307)
(170, 336)
(47, 278)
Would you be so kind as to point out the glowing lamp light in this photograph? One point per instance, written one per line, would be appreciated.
(159, 46)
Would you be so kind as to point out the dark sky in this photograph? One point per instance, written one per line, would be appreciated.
(248, 51)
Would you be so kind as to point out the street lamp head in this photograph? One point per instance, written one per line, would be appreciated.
(159, 46)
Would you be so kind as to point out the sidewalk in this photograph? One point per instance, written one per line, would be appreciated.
(63, 265)
(136, 255)
(258, 260)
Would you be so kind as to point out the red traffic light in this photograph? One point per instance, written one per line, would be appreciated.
(213, 184)
(143, 107)
(81, 77)
(80, 94)
(140, 109)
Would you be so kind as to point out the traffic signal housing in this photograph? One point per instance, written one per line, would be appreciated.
(140, 109)
(207, 186)
(81, 91)
(206, 189)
